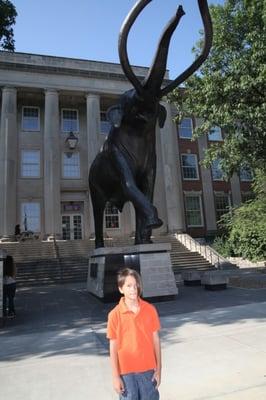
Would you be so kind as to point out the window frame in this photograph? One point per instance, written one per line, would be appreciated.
(221, 179)
(69, 155)
(222, 195)
(23, 119)
(118, 215)
(22, 152)
(22, 215)
(220, 139)
(196, 166)
(77, 131)
(242, 171)
(104, 122)
(247, 196)
(179, 129)
(199, 196)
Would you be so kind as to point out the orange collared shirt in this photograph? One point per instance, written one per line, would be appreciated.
(134, 335)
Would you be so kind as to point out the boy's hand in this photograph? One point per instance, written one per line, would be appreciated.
(118, 384)
(157, 377)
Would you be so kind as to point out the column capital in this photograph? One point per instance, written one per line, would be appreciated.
(11, 89)
(92, 96)
(50, 91)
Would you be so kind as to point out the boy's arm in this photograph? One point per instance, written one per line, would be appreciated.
(117, 381)
(157, 350)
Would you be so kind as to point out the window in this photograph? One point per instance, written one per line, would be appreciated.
(222, 205)
(105, 125)
(215, 134)
(70, 121)
(245, 174)
(193, 210)
(246, 196)
(190, 166)
(185, 128)
(217, 173)
(71, 165)
(30, 163)
(30, 217)
(30, 119)
(111, 217)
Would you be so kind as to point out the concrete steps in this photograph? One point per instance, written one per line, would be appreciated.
(40, 263)
(181, 257)
(30, 250)
(51, 272)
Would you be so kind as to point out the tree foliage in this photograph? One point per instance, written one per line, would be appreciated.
(245, 232)
(244, 227)
(8, 15)
(229, 89)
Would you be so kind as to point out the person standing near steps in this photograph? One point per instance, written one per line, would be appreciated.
(9, 287)
(135, 350)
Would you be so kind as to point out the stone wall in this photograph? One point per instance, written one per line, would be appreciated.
(243, 263)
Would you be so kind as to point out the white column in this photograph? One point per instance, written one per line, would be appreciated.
(236, 191)
(207, 187)
(8, 162)
(93, 126)
(172, 174)
(52, 165)
(93, 131)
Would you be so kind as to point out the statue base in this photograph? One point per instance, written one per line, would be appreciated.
(152, 261)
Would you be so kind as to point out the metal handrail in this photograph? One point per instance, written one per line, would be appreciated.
(204, 250)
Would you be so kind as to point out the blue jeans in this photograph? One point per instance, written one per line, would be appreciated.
(139, 386)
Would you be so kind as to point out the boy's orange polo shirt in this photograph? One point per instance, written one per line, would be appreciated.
(134, 335)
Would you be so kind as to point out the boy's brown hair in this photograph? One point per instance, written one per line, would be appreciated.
(124, 273)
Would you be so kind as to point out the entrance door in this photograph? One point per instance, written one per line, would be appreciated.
(71, 227)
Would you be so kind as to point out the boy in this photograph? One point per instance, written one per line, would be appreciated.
(135, 350)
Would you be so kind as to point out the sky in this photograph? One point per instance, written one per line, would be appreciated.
(89, 29)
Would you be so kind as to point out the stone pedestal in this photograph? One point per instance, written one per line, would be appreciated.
(152, 261)
(191, 278)
(215, 280)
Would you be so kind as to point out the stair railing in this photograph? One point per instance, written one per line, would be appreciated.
(204, 250)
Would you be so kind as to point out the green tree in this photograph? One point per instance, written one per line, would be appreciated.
(229, 89)
(244, 228)
(8, 15)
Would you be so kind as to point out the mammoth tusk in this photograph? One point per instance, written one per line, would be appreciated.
(208, 31)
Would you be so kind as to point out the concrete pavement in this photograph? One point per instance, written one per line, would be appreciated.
(214, 346)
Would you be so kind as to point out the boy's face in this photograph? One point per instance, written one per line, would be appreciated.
(130, 288)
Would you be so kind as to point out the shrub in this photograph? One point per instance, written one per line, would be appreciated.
(222, 246)
(247, 230)
(244, 231)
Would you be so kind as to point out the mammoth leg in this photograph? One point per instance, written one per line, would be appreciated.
(98, 205)
(143, 234)
(141, 203)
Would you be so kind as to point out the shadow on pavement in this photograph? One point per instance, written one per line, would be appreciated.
(65, 319)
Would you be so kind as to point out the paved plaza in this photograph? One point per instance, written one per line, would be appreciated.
(214, 346)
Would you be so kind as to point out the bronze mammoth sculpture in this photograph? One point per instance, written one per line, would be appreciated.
(124, 169)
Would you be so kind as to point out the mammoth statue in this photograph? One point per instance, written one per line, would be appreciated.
(124, 169)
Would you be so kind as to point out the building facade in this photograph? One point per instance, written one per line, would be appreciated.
(53, 122)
